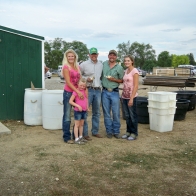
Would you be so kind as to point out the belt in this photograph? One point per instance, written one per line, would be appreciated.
(95, 88)
(111, 89)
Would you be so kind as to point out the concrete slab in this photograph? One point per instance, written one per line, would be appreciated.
(4, 129)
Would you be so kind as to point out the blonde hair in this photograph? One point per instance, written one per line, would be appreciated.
(66, 62)
(83, 80)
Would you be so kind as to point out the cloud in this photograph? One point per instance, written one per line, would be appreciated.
(189, 41)
(101, 35)
(171, 30)
(105, 54)
(55, 20)
(106, 35)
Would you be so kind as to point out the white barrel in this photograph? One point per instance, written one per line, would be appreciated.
(33, 106)
(161, 109)
(52, 109)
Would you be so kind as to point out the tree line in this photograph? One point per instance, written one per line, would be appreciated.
(144, 54)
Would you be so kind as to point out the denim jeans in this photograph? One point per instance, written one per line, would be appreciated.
(66, 116)
(131, 116)
(80, 115)
(111, 102)
(94, 98)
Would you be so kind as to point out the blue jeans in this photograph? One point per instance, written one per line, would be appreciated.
(111, 102)
(80, 115)
(131, 116)
(66, 116)
(94, 98)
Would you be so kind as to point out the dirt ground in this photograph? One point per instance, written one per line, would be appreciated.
(35, 161)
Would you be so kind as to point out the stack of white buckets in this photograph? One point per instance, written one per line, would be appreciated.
(43, 107)
(161, 109)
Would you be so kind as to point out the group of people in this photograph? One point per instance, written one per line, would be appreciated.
(95, 83)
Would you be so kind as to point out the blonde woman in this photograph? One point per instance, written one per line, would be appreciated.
(71, 74)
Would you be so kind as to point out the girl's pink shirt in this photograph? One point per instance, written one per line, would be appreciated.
(74, 78)
(128, 84)
(82, 102)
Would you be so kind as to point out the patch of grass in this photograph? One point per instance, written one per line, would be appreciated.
(55, 191)
(43, 154)
(178, 142)
(94, 150)
(188, 154)
(120, 165)
(40, 152)
(55, 168)
(146, 161)
(23, 169)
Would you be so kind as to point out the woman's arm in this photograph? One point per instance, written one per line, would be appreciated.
(71, 101)
(135, 88)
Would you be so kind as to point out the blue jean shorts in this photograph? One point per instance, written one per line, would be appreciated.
(80, 115)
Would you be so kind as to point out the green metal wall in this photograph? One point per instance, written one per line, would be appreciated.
(20, 63)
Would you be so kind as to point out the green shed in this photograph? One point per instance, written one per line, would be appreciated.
(21, 61)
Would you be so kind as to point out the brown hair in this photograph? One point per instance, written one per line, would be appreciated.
(130, 57)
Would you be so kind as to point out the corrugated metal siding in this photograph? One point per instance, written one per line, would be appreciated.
(20, 63)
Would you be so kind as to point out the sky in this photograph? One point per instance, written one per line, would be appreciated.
(167, 25)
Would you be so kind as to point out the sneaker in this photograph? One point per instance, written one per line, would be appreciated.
(79, 142)
(109, 135)
(132, 137)
(125, 136)
(83, 139)
(117, 136)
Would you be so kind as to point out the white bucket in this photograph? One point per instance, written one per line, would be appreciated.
(33, 106)
(162, 96)
(52, 109)
(161, 123)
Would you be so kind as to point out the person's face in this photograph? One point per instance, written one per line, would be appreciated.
(112, 58)
(128, 62)
(81, 86)
(93, 56)
(70, 58)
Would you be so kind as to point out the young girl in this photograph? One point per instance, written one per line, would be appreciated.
(129, 98)
(80, 110)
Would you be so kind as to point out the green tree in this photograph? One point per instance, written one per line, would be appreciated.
(81, 49)
(164, 59)
(140, 52)
(149, 64)
(191, 59)
(179, 60)
(123, 49)
(55, 49)
(53, 53)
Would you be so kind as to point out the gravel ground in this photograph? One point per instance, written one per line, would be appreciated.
(55, 83)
